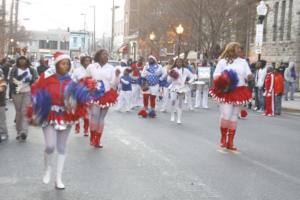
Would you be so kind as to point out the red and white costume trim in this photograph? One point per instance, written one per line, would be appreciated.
(269, 94)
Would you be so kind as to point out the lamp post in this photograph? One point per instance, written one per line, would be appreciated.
(94, 35)
(179, 31)
(11, 42)
(84, 32)
(262, 11)
(113, 26)
(152, 37)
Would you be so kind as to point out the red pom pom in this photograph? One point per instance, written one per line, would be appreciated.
(174, 74)
(243, 113)
(143, 113)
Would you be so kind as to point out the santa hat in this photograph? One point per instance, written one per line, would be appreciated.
(152, 57)
(59, 56)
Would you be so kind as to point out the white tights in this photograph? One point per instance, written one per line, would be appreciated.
(229, 115)
(97, 118)
(55, 138)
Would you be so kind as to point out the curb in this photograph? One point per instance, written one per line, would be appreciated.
(291, 110)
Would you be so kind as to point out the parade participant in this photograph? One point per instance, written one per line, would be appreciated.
(136, 79)
(164, 85)
(105, 74)
(202, 89)
(150, 86)
(178, 77)
(269, 93)
(77, 75)
(3, 126)
(278, 91)
(188, 95)
(231, 91)
(124, 100)
(50, 110)
(21, 78)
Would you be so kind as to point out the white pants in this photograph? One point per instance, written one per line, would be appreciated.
(201, 96)
(124, 100)
(165, 98)
(188, 99)
(136, 95)
(153, 90)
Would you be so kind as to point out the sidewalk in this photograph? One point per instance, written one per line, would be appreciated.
(292, 106)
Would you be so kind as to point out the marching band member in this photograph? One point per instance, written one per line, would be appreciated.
(150, 86)
(136, 78)
(178, 77)
(202, 89)
(188, 99)
(164, 84)
(105, 75)
(124, 100)
(77, 75)
(231, 91)
(49, 109)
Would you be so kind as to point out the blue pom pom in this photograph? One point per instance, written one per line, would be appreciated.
(234, 80)
(152, 114)
(42, 105)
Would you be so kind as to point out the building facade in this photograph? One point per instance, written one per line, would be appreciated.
(281, 42)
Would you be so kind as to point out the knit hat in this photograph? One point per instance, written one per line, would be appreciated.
(59, 56)
(152, 57)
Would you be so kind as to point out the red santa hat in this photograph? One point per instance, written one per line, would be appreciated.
(59, 56)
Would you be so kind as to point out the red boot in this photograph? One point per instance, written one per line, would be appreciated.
(98, 140)
(223, 137)
(86, 126)
(230, 145)
(92, 138)
(77, 128)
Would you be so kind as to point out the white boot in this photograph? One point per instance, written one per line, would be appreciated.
(179, 115)
(60, 166)
(47, 165)
(172, 116)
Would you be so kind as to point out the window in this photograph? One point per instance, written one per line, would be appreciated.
(275, 21)
(42, 44)
(64, 45)
(75, 41)
(290, 17)
(53, 45)
(282, 20)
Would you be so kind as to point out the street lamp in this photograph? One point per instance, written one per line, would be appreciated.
(152, 37)
(262, 11)
(84, 32)
(114, 7)
(179, 31)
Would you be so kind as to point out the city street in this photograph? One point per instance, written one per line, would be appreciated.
(154, 159)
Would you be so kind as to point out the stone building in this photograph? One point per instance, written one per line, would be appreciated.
(282, 32)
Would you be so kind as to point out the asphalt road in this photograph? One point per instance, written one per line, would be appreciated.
(154, 159)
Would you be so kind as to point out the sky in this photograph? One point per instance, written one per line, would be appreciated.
(53, 14)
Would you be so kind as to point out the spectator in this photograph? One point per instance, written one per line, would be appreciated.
(21, 78)
(290, 77)
(43, 66)
(3, 126)
(278, 90)
(259, 84)
(269, 92)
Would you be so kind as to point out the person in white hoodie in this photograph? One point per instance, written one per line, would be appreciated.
(290, 77)
(259, 84)
(178, 77)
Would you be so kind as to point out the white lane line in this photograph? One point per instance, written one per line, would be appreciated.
(273, 170)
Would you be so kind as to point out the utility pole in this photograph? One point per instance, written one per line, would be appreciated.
(94, 35)
(3, 28)
(112, 27)
(16, 16)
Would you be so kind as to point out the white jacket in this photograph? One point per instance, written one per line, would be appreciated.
(260, 77)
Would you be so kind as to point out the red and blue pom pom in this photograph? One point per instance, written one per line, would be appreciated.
(41, 105)
(227, 81)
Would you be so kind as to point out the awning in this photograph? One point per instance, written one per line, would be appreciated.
(123, 49)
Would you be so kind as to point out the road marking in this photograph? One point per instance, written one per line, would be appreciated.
(276, 171)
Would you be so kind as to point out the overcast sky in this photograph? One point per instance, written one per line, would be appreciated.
(52, 14)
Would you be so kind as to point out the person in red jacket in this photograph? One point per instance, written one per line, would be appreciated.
(269, 93)
(278, 90)
(49, 109)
